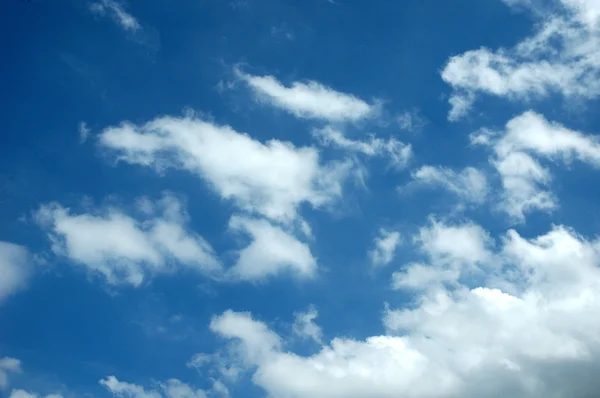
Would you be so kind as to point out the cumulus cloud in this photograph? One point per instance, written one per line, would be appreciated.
(271, 179)
(305, 327)
(531, 338)
(517, 152)
(560, 57)
(271, 251)
(116, 11)
(124, 249)
(15, 269)
(310, 99)
(7, 366)
(172, 388)
(398, 152)
(469, 184)
(384, 247)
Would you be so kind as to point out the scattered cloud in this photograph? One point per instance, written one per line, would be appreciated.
(305, 327)
(385, 246)
(24, 394)
(398, 152)
(116, 11)
(124, 249)
(84, 132)
(560, 57)
(469, 185)
(271, 251)
(517, 150)
(15, 268)
(271, 179)
(310, 99)
(411, 121)
(7, 366)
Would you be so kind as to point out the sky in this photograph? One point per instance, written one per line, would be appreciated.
(299, 198)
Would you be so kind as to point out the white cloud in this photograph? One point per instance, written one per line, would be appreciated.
(305, 327)
(124, 389)
(271, 251)
(562, 56)
(15, 269)
(116, 11)
(516, 149)
(8, 365)
(310, 99)
(385, 246)
(398, 152)
(469, 184)
(534, 339)
(124, 249)
(271, 179)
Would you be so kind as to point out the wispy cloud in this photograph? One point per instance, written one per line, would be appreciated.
(116, 11)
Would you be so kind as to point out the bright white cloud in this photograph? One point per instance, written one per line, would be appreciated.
(7, 366)
(115, 10)
(271, 251)
(385, 246)
(469, 184)
(398, 152)
(532, 339)
(311, 100)
(15, 269)
(305, 327)
(525, 139)
(562, 56)
(271, 179)
(124, 249)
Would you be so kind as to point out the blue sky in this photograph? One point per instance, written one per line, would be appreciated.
(298, 199)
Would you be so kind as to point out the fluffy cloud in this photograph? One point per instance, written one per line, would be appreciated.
(305, 327)
(310, 99)
(271, 251)
(14, 268)
(562, 56)
(125, 249)
(8, 365)
(115, 10)
(517, 150)
(524, 331)
(398, 152)
(469, 184)
(173, 388)
(385, 246)
(270, 179)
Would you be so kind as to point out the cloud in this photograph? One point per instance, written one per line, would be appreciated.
(7, 366)
(115, 10)
(469, 184)
(532, 338)
(305, 327)
(172, 388)
(124, 249)
(24, 394)
(271, 251)
(310, 99)
(560, 57)
(398, 152)
(385, 246)
(517, 150)
(450, 250)
(84, 132)
(411, 121)
(270, 179)
(15, 269)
